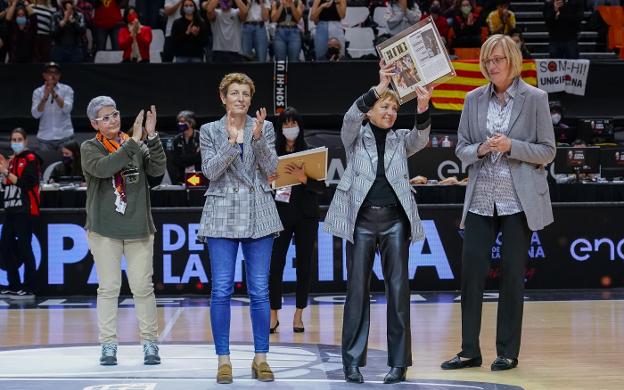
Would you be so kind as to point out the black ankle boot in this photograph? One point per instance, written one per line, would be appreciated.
(353, 374)
(395, 375)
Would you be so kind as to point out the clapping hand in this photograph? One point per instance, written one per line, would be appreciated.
(4, 165)
(260, 117)
(231, 128)
(137, 128)
(150, 121)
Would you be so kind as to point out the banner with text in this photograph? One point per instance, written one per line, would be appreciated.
(559, 75)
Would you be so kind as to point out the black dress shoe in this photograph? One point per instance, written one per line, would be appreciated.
(353, 374)
(457, 363)
(395, 375)
(502, 363)
(274, 329)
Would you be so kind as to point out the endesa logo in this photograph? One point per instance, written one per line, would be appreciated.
(583, 249)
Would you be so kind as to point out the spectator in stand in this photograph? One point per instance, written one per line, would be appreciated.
(52, 104)
(466, 25)
(501, 20)
(189, 34)
(172, 12)
(45, 24)
(226, 25)
(563, 19)
(448, 8)
(334, 47)
(255, 40)
(186, 153)
(518, 38)
(327, 15)
(287, 40)
(106, 21)
(20, 181)
(134, 38)
(70, 167)
(401, 14)
(69, 29)
(564, 135)
(85, 7)
(150, 12)
(439, 20)
(3, 31)
(22, 28)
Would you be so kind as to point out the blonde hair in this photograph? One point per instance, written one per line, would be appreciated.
(238, 78)
(389, 94)
(511, 50)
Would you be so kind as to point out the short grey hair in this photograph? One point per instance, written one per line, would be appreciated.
(97, 103)
(189, 116)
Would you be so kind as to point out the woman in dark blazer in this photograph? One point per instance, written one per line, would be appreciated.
(505, 138)
(374, 210)
(298, 208)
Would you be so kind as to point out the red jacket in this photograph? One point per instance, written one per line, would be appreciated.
(107, 14)
(23, 196)
(144, 39)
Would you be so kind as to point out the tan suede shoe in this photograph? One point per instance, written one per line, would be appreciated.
(262, 372)
(224, 374)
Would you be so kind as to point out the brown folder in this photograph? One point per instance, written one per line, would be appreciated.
(315, 166)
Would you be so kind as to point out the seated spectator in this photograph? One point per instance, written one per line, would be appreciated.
(107, 20)
(501, 20)
(466, 25)
(226, 26)
(255, 39)
(186, 154)
(287, 40)
(69, 29)
(439, 20)
(45, 25)
(70, 167)
(189, 34)
(334, 47)
(401, 14)
(327, 15)
(448, 9)
(563, 19)
(564, 135)
(134, 38)
(517, 37)
(22, 28)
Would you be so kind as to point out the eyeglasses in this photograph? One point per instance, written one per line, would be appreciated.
(494, 61)
(106, 119)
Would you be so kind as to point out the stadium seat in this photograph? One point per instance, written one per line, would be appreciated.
(380, 17)
(158, 40)
(355, 16)
(360, 41)
(108, 57)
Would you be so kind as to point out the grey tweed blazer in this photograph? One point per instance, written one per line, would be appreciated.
(239, 202)
(359, 175)
(532, 147)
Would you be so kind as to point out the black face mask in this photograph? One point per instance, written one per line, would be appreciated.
(435, 9)
(333, 51)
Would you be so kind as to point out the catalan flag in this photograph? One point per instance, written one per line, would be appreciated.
(451, 94)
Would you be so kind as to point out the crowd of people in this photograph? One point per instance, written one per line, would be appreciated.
(251, 30)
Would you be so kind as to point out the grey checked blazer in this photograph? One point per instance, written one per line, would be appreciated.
(359, 175)
(239, 202)
(532, 147)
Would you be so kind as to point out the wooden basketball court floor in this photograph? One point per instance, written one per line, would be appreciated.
(571, 339)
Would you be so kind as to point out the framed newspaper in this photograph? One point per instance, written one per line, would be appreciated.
(420, 58)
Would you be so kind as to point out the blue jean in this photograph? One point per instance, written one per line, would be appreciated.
(566, 49)
(287, 43)
(101, 37)
(255, 37)
(324, 31)
(257, 254)
(188, 60)
(65, 54)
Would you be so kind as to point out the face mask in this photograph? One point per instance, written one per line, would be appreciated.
(189, 10)
(132, 18)
(332, 51)
(291, 133)
(435, 9)
(466, 10)
(21, 20)
(17, 147)
(67, 160)
(555, 118)
(182, 127)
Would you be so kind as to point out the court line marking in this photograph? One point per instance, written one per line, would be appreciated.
(170, 324)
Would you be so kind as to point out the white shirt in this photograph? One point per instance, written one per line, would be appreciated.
(171, 18)
(54, 121)
(227, 31)
(255, 10)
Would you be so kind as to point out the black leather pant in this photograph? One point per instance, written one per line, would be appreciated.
(388, 230)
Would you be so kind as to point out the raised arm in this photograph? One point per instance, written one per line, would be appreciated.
(263, 144)
(418, 137)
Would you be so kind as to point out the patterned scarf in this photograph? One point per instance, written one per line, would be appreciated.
(119, 185)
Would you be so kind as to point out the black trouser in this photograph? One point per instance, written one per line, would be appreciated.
(15, 247)
(479, 237)
(305, 231)
(388, 230)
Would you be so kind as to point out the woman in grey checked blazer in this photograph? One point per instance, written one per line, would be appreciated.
(238, 155)
(374, 209)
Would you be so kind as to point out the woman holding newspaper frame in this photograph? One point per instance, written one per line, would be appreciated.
(374, 209)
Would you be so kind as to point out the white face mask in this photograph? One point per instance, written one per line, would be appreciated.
(291, 133)
(555, 118)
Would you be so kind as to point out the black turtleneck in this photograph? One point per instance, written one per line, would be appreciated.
(381, 193)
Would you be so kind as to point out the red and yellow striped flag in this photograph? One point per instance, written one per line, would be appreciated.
(451, 94)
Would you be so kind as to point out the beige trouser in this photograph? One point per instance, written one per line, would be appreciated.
(107, 254)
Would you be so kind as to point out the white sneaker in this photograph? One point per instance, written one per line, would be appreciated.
(21, 294)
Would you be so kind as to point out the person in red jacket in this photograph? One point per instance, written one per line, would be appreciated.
(134, 38)
(440, 21)
(106, 22)
(20, 181)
